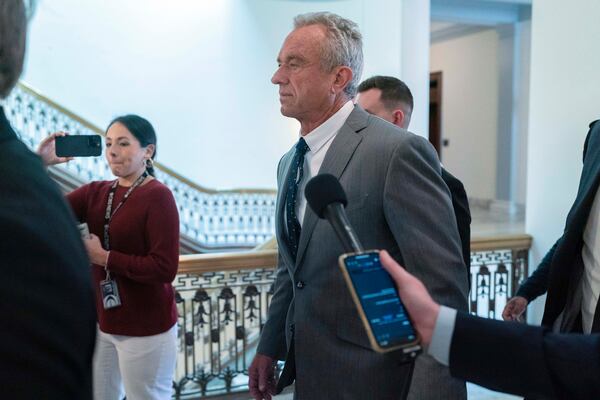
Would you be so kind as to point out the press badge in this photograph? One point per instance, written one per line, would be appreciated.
(110, 294)
(108, 287)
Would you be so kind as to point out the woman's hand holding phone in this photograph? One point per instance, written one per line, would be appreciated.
(47, 150)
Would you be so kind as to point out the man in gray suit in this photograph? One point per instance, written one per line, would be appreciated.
(396, 201)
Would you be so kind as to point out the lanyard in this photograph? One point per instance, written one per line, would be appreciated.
(109, 214)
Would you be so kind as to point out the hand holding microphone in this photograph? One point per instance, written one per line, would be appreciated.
(384, 317)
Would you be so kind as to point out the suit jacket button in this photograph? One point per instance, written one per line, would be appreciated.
(300, 284)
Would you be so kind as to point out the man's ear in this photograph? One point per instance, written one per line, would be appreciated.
(343, 76)
(398, 117)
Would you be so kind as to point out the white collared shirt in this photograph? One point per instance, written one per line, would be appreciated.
(318, 141)
(590, 281)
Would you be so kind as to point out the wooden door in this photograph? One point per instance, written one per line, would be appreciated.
(435, 111)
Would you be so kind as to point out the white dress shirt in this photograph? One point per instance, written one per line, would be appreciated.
(590, 281)
(441, 339)
(318, 141)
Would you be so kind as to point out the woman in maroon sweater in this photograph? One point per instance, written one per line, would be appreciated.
(134, 253)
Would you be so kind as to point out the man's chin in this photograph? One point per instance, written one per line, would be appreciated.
(286, 112)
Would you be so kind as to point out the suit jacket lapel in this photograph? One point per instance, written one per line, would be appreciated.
(338, 155)
(280, 231)
(585, 198)
(567, 264)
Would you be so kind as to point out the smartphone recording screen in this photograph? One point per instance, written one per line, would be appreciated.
(377, 294)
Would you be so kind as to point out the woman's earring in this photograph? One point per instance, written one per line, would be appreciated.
(149, 163)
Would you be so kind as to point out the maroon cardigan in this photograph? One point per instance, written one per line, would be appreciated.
(144, 254)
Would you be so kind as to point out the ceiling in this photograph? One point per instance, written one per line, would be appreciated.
(455, 18)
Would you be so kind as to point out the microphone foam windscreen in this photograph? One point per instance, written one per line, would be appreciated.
(323, 190)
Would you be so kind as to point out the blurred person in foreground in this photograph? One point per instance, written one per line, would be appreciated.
(46, 297)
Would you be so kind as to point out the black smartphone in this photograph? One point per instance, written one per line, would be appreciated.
(383, 315)
(78, 146)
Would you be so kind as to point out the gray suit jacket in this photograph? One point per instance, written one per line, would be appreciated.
(396, 201)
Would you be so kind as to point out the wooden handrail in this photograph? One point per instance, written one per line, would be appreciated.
(202, 263)
(36, 94)
(267, 258)
(270, 244)
(515, 242)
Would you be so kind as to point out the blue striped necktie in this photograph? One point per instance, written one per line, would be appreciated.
(294, 179)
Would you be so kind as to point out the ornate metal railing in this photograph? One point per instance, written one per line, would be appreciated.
(217, 220)
(498, 266)
(223, 300)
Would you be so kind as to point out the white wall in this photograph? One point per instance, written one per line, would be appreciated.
(198, 70)
(506, 58)
(521, 109)
(565, 60)
(415, 60)
(469, 68)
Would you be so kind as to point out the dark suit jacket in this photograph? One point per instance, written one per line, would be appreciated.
(46, 298)
(396, 201)
(460, 204)
(525, 360)
(560, 271)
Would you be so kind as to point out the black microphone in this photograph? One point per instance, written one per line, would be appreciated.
(327, 199)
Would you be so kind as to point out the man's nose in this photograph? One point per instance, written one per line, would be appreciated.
(278, 77)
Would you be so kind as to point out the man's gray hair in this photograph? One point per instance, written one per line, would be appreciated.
(343, 45)
(13, 27)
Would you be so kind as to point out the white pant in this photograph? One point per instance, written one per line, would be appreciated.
(142, 365)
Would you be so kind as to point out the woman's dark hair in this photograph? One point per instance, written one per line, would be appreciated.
(141, 129)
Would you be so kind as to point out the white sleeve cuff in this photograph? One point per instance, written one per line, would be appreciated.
(439, 348)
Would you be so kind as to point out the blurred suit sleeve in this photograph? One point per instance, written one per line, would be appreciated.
(525, 360)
